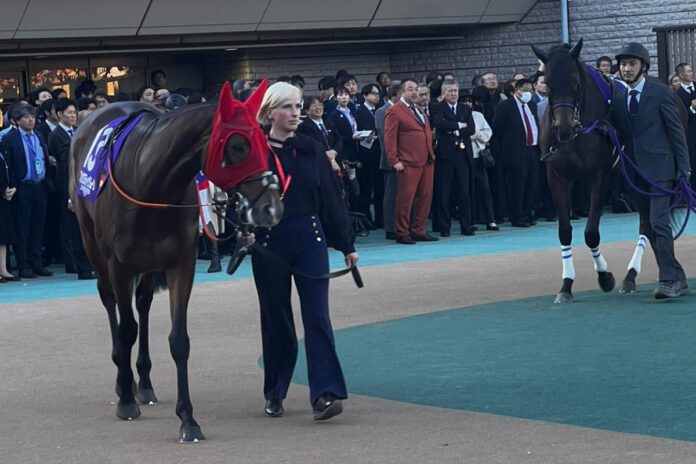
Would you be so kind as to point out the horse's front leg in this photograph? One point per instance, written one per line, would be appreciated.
(597, 195)
(143, 300)
(560, 193)
(180, 281)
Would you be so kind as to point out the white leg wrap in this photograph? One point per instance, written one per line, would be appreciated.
(600, 264)
(568, 268)
(638, 254)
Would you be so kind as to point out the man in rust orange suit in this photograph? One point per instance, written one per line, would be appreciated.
(408, 144)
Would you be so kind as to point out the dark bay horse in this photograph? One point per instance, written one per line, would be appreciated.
(130, 244)
(571, 154)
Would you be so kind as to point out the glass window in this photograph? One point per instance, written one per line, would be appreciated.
(56, 73)
(119, 79)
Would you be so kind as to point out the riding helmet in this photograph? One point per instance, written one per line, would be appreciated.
(634, 50)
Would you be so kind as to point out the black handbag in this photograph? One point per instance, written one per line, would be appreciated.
(487, 158)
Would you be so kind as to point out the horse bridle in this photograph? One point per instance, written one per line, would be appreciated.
(242, 206)
(577, 125)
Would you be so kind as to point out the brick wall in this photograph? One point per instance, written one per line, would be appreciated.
(503, 49)
(605, 26)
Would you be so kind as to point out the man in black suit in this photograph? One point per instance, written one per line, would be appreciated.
(322, 131)
(516, 131)
(647, 120)
(687, 94)
(52, 252)
(27, 155)
(454, 124)
(59, 146)
(368, 153)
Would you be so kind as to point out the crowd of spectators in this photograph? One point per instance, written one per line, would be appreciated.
(486, 165)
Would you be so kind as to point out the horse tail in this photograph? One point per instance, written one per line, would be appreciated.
(159, 281)
(156, 280)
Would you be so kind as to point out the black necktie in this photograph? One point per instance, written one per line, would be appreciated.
(454, 110)
(633, 103)
(70, 133)
(325, 134)
(415, 111)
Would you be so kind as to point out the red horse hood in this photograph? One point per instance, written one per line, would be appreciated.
(235, 117)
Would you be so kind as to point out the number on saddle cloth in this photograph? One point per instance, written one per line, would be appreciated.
(106, 145)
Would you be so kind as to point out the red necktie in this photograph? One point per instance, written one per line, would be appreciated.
(527, 126)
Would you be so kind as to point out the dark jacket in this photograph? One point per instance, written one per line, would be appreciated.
(509, 133)
(331, 142)
(314, 190)
(686, 98)
(655, 137)
(59, 146)
(365, 120)
(349, 150)
(446, 124)
(12, 149)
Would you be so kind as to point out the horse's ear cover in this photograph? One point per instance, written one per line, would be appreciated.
(235, 117)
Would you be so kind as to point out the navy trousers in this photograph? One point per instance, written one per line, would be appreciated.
(30, 213)
(655, 224)
(302, 244)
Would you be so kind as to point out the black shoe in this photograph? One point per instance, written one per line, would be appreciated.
(27, 274)
(671, 290)
(327, 406)
(444, 234)
(520, 224)
(86, 275)
(551, 218)
(42, 272)
(390, 236)
(425, 238)
(11, 278)
(532, 222)
(492, 226)
(70, 270)
(468, 231)
(274, 408)
(405, 240)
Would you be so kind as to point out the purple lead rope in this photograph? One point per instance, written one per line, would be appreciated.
(683, 194)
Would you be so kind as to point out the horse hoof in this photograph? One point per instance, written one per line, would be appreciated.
(606, 281)
(628, 286)
(191, 434)
(563, 297)
(127, 411)
(147, 396)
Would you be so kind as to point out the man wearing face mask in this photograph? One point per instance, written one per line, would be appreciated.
(646, 118)
(516, 130)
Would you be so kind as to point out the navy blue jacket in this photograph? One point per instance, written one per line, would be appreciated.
(12, 149)
(314, 190)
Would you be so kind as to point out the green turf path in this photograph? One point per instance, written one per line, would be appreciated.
(617, 362)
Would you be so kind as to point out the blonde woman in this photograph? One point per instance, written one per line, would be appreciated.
(297, 248)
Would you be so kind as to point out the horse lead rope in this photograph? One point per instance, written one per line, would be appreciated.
(145, 204)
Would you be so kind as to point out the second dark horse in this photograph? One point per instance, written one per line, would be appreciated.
(129, 243)
(575, 102)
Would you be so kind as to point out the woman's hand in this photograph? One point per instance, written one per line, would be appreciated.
(352, 259)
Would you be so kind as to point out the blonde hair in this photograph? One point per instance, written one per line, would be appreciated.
(274, 97)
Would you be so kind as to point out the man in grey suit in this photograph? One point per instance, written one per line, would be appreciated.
(393, 94)
(647, 119)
